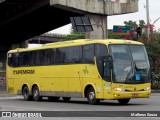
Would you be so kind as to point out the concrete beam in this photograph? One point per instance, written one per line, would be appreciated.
(104, 7)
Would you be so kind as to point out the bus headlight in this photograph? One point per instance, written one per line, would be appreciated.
(147, 88)
(119, 89)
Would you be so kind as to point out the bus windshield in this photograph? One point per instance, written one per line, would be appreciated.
(130, 64)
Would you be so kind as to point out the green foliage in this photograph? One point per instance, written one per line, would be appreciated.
(74, 35)
(112, 35)
(155, 81)
(153, 50)
(141, 23)
(131, 23)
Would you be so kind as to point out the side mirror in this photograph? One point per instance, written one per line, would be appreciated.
(108, 61)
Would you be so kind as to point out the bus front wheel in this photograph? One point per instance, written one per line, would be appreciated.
(36, 94)
(123, 101)
(25, 92)
(91, 96)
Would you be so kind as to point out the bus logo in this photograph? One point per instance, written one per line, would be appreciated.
(6, 114)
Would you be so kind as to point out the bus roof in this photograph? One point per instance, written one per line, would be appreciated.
(77, 43)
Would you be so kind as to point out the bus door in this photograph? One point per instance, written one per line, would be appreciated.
(103, 65)
(107, 78)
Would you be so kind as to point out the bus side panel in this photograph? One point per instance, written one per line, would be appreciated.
(52, 80)
(91, 77)
(10, 85)
(107, 88)
(59, 79)
(75, 81)
(11, 81)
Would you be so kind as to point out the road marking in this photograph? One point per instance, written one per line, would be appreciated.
(24, 108)
(14, 97)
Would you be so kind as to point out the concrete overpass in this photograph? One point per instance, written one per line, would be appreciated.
(46, 38)
(23, 19)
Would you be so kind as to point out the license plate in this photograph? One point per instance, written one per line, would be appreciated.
(135, 94)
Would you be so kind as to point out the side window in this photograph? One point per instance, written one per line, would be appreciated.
(13, 59)
(33, 56)
(52, 56)
(10, 59)
(101, 51)
(47, 57)
(38, 56)
(60, 55)
(25, 59)
(73, 54)
(88, 53)
(42, 57)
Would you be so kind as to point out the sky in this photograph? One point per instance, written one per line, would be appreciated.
(154, 13)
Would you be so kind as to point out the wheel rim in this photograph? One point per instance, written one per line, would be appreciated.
(91, 96)
(36, 93)
(25, 93)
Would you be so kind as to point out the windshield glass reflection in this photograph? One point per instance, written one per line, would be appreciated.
(130, 64)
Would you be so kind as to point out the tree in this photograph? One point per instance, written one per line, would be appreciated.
(141, 24)
(136, 29)
(112, 35)
(74, 35)
(153, 50)
(131, 23)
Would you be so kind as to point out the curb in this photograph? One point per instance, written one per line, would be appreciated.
(155, 91)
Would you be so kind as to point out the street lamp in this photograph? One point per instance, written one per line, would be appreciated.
(148, 23)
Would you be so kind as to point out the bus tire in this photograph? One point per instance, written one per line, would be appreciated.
(123, 101)
(36, 94)
(53, 98)
(91, 96)
(66, 99)
(25, 93)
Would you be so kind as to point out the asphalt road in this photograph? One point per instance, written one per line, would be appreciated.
(16, 103)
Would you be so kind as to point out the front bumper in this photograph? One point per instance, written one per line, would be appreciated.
(136, 94)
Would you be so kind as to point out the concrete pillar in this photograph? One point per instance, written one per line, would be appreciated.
(99, 23)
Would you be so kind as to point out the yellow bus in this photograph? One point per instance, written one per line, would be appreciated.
(92, 69)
